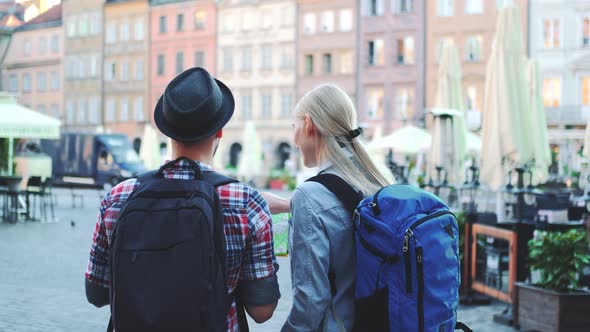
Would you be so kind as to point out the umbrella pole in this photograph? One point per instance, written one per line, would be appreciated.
(10, 155)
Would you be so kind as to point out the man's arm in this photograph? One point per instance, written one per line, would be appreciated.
(258, 285)
(97, 295)
(277, 204)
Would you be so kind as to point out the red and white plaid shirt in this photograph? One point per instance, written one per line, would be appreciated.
(247, 223)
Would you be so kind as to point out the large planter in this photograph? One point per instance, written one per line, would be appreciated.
(550, 311)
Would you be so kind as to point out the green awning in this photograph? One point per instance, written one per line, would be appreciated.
(17, 121)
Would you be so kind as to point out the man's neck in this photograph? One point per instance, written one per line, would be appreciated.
(193, 155)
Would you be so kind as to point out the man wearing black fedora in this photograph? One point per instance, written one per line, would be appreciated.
(193, 111)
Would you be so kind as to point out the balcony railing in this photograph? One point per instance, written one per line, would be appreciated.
(567, 115)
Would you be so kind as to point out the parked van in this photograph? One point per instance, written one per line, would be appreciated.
(92, 159)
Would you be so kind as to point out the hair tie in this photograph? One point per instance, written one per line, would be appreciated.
(355, 133)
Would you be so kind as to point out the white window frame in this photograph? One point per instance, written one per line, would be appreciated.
(479, 10)
(345, 20)
(139, 29)
(138, 109)
(396, 6)
(445, 8)
(111, 110)
(327, 21)
(124, 109)
(309, 23)
(542, 32)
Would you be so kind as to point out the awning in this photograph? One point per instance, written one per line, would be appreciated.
(17, 121)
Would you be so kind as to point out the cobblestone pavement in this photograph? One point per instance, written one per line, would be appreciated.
(42, 286)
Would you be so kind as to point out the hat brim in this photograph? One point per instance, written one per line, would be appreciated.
(222, 117)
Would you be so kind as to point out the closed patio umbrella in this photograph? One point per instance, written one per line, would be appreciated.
(250, 164)
(406, 140)
(541, 150)
(507, 103)
(149, 150)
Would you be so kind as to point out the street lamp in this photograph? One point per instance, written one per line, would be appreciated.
(470, 188)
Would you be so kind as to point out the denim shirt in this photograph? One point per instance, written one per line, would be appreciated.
(321, 238)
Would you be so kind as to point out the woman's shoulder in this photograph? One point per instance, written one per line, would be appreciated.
(315, 194)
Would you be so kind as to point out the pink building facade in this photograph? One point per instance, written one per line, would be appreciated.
(33, 64)
(391, 63)
(183, 35)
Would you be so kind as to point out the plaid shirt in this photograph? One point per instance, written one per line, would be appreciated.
(247, 225)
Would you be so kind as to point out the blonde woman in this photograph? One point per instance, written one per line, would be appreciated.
(321, 242)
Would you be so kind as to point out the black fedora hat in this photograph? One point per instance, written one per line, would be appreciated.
(194, 106)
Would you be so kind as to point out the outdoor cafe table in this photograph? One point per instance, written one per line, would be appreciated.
(11, 199)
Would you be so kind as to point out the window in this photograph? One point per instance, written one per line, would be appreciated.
(286, 104)
(266, 22)
(345, 20)
(403, 6)
(309, 64)
(13, 83)
(266, 51)
(375, 7)
(474, 7)
(70, 112)
(26, 82)
(93, 113)
(473, 49)
(69, 63)
(327, 21)
(124, 71)
(440, 45)
(55, 81)
(586, 90)
(138, 29)
(179, 62)
(287, 16)
(124, 112)
(228, 60)
(41, 82)
(375, 103)
(55, 44)
(111, 37)
(246, 59)
(82, 73)
(125, 33)
(111, 115)
(346, 64)
(504, 3)
(471, 100)
(139, 70)
(375, 52)
(287, 57)
(138, 111)
(28, 46)
(228, 23)
(551, 35)
(72, 27)
(405, 51)
(247, 21)
(83, 25)
(246, 107)
(309, 23)
(180, 22)
(266, 106)
(161, 65)
(163, 23)
(404, 103)
(81, 112)
(327, 63)
(42, 45)
(199, 59)
(94, 65)
(54, 111)
(200, 20)
(110, 71)
(445, 8)
(586, 32)
(552, 92)
(95, 24)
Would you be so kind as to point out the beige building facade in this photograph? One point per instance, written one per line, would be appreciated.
(32, 68)
(470, 25)
(83, 86)
(256, 59)
(125, 69)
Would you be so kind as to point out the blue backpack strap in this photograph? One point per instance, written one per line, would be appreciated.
(349, 196)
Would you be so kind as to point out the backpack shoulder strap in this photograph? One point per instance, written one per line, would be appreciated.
(217, 180)
(349, 196)
(147, 176)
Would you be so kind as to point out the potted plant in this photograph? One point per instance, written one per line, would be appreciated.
(555, 303)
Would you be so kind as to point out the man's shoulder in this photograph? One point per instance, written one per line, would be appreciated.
(121, 192)
(237, 195)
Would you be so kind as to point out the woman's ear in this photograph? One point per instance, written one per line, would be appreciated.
(309, 126)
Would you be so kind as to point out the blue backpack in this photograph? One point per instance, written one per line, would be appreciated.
(407, 257)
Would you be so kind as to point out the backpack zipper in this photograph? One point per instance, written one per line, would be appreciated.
(420, 275)
(176, 194)
(406, 247)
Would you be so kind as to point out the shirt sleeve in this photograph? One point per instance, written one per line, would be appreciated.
(98, 270)
(309, 267)
(259, 265)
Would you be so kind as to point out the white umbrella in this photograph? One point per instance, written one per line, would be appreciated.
(507, 104)
(449, 148)
(473, 144)
(17, 121)
(250, 164)
(407, 140)
(541, 150)
(218, 158)
(149, 150)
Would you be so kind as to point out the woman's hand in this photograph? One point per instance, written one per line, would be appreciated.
(277, 204)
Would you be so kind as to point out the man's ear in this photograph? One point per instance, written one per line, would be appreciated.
(219, 134)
